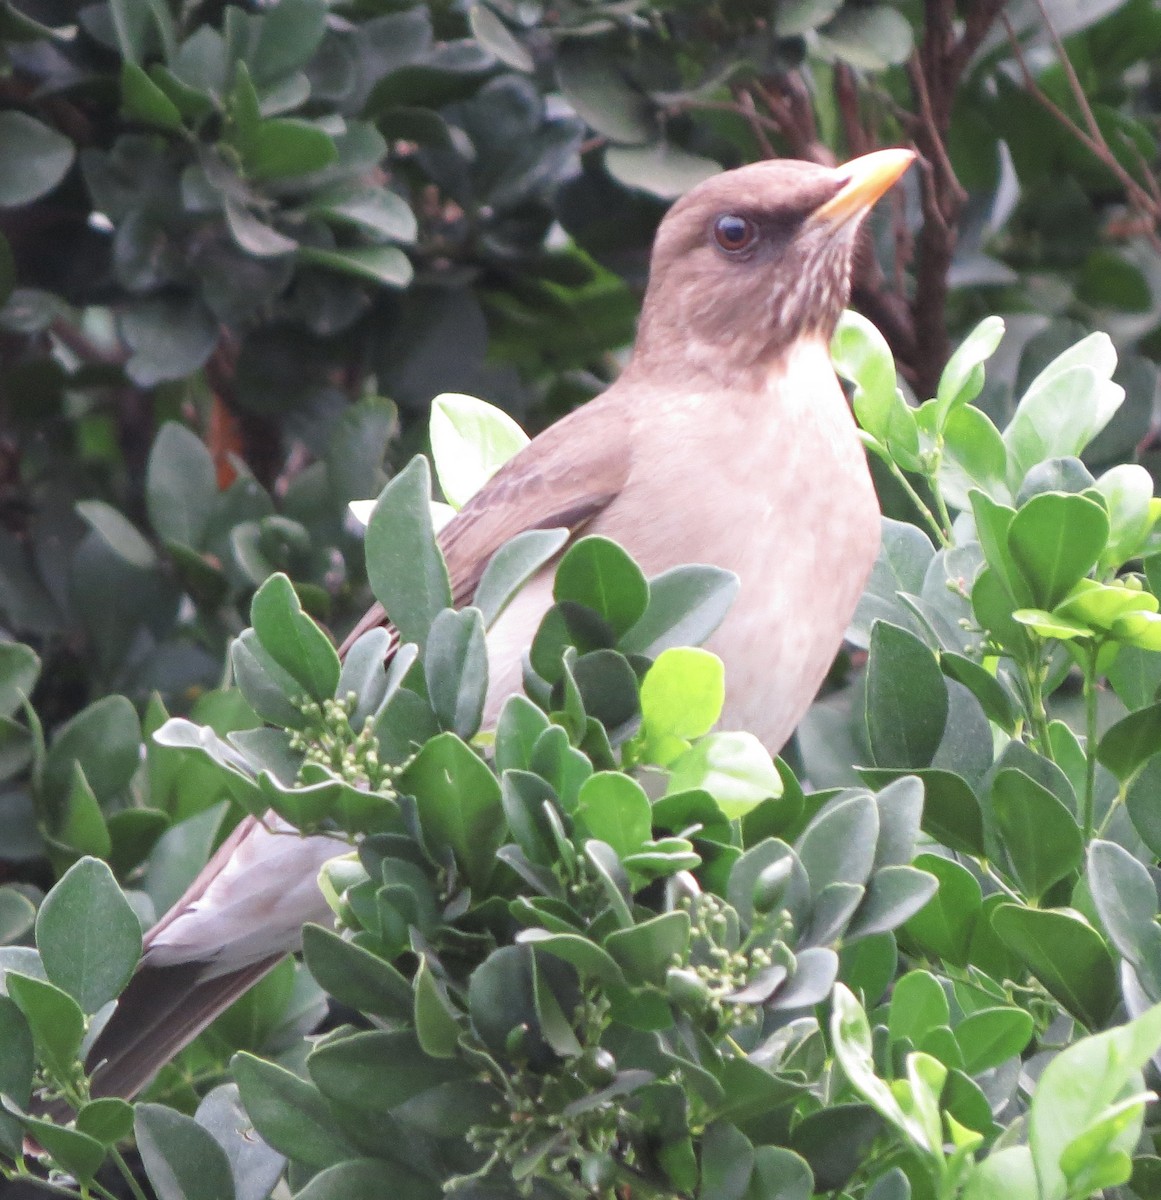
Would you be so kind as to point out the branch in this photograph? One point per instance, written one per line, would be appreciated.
(1144, 200)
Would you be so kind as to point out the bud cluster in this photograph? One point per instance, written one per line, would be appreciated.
(329, 741)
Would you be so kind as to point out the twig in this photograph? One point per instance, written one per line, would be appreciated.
(1143, 199)
(745, 101)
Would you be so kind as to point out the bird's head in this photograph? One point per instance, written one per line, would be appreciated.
(752, 259)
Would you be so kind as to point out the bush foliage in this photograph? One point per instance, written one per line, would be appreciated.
(604, 949)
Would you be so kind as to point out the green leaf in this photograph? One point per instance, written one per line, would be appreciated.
(963, 377)
(735, 768)
(681, 697)
(456, 670)
(861, 355)
(376, 1071)
(182, 1159)
(19, 671)
(379, 264)
(459, 804)
(974, 457)
(906, 699)
(1125, 899)
(686, 604)
(354, 976)
(170, 337)
(601, 95)
(1055, 540)
(105, 739)
(599, 574)
(289, 1113)
(437, 1024)
(838, 846)
(118, 533)
(76, 1152)
(918, 1005)
(109, 1119)
(870, 38)
(991, 1036)
(1064, 408)
(1129, 744)
(491, 32)
(727, 1161)
(1066, 954)
(615, 809)
(293, 640)
(662, 169)
(88, 935)
(404, 565)
(1079, 1087)
(285, 38)
(470, 441)
(369, 1179)
(1127, 491)
(512, 566)
(55, 1019)
(180, 485)
(17, 1054)
(851, 1033)
(143, 100)
(35, 157)
(944, 926)
(1039, 835)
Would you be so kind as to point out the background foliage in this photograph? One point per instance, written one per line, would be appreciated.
(245, 245)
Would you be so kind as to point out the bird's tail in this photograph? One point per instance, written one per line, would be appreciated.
(158, 1014)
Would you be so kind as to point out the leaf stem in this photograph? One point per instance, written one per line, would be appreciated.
(941, 535)
(1088, 802)
(127, 1174)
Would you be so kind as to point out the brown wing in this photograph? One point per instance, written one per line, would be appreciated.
(562, 479)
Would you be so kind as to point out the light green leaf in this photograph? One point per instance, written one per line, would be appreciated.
(470, 441)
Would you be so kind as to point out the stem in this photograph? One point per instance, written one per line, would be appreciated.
(1088, 801)
(1037, 712)
(126, 1173)
(940, 535)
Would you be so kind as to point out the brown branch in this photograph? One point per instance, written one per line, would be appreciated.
(745, 102)
(1143, 200)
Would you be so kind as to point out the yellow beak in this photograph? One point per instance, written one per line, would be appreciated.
(865, 179)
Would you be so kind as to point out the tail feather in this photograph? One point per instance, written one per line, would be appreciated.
(160, 1012)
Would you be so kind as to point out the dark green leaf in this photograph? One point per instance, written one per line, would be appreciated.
(944, 926)
(290, 1113)
(459, 804)
(76, 1152)
(906, 699)
(991, 1036)
(405, 568)
(292, 639)
(600, 575)
(456, 670)
(354, 976)
(182, 1160)
(1131, 742)
(1066, 954)
(1040, 836)
(36, 158)
(369, 1179)
(180, 485)
(54, 1017)
(686, 604)
(512, 566)
(88, 936)
(1055, 540)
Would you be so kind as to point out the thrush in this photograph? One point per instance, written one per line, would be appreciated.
(726, 439)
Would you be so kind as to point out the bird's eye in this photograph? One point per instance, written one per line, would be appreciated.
(734, 234)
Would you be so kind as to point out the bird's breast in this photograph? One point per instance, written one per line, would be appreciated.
(770, 483)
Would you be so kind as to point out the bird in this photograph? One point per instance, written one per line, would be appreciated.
(727, 439)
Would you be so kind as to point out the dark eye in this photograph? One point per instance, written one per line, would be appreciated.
(734, 234)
